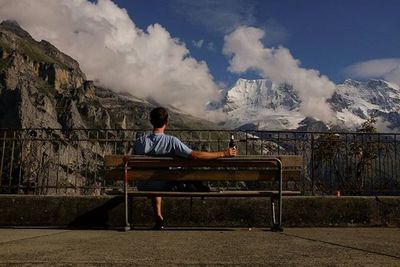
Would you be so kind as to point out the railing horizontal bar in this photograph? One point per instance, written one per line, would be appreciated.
(45, 158)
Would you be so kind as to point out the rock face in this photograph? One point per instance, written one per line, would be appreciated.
(48, 89)
(263, 105)
(41, 87)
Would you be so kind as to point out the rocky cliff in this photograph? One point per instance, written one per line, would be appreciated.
(41, 87)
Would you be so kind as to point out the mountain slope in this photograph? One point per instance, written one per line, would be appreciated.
(355, 101)
(42, 87)
(261, 104)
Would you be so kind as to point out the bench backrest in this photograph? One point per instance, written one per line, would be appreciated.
(242, 168)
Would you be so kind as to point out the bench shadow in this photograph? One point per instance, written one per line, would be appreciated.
(190, 229)
(97, 218)
(203, 229)
(343, 246)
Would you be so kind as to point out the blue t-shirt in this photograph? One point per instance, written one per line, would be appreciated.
(160, 144)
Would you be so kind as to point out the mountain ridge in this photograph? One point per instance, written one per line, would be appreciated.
(277, 107)
(52, 91)
(41, 89)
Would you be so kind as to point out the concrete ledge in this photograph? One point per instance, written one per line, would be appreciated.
(107, 211)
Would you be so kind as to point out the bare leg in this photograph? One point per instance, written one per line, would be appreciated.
(156, 203)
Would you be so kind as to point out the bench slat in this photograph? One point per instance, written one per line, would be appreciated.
(162, 162)
(113, 160)
(291, 161)
(207, 194)
(156, 168)
(192, 175)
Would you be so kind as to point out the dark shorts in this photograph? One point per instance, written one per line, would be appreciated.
(153, 186)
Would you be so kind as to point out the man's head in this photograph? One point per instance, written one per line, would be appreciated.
(159, 117)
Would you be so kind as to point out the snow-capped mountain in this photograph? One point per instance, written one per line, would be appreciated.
(353, 102)
(262, 104)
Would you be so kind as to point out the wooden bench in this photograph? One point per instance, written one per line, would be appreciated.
(241, 168)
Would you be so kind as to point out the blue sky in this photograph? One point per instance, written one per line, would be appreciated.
(183, 52)
(326, 35)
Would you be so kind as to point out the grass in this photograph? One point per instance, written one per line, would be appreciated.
(36, 54)
(5, 46)
(5, 63)
(33, 52)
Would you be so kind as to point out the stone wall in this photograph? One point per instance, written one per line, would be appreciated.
(107, 211)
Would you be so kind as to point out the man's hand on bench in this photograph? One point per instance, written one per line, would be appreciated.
(230, 152)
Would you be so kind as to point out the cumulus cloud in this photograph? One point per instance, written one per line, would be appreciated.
(384, 126)
(198, 43)
(114, 51)
(388, 69)
(211, 46)
(246, 52)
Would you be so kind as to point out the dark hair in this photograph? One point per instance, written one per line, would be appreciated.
(158, 117)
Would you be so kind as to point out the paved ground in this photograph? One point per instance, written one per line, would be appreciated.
(294, 247)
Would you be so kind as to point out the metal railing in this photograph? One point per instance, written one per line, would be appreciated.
(60, 161)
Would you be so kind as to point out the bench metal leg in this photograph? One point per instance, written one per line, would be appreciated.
(277, 224)
(126, 206)
(276, 215)
(273, 215)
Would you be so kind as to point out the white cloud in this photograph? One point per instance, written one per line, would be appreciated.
(384, 126)
(211, 46)
(247, 52)
(198, 43)
(388, 69)
(201, 43)
(112, 50)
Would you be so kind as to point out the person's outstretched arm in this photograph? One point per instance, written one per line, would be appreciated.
(230, 152)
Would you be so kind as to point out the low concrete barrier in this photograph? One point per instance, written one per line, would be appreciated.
(107, 211)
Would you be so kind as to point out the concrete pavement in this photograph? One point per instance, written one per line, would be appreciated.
(194, 247)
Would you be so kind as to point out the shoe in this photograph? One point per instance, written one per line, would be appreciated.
(160, 225)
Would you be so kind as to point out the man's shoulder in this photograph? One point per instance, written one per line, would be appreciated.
(145, 135)
(173, 138)
(163, 138)
(142, 138)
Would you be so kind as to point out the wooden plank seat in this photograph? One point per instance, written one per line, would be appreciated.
(206, 194)
(242, 168)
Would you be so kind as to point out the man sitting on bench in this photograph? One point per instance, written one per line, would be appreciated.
(160, 144)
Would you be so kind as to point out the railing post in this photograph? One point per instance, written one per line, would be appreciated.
(126, 208)
(2, 158)
(312, 166)
(395, 158)
(277, 225)
(11, 163)
(280, 195)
